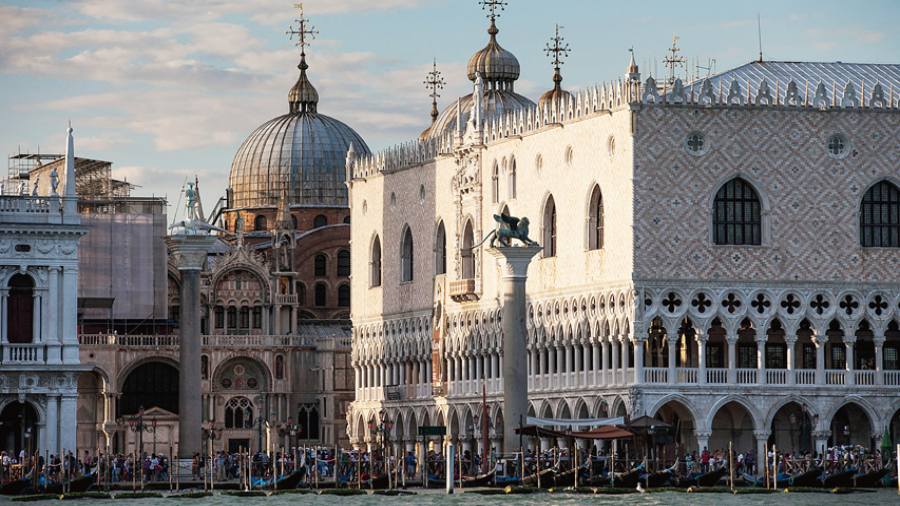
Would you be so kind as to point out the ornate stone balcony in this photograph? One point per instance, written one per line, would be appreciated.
(23, 354)
(463, 290)
(212, 341)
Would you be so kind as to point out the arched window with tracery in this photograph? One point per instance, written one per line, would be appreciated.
(321, 265)
(549, 232)
(440, 250)
(495, 184)
(343, 263)
(321, 294)
(737, 214)
(239, 413)
(595, 220)
(467, 252)
(406, 256)
(344, 295)
(375, 264)
(879, 217)
(511, 180)
(20, 309)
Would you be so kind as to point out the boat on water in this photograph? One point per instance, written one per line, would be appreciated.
(839, 478)
(808, 478)
(659, 478)
(871, 479)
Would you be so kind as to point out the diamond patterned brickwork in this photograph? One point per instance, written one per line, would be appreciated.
(811, 200)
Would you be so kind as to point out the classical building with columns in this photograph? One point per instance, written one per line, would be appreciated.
(39, 359)
(722, 254)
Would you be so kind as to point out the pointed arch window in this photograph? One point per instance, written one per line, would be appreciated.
(467, 253)
(549, 231)
(239, 413)
(495, 184)
(375, 264)
(879, 217)
(440, 250)
(511, 180)
(737, 215)
(595, 220)
(406, 256)
(343, 263)
(321, 265)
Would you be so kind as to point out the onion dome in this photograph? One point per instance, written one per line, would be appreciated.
(301, 155)
(559, 51)
(495, 64)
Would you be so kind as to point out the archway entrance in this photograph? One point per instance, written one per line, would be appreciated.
(732, 423)
(19, 428)
(851, 426)
(792, 428)
(682, 432)
(153, 384)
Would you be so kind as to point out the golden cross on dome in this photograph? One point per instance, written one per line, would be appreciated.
(302, 29)
(492, 6)
(558, 47)
(434, 82)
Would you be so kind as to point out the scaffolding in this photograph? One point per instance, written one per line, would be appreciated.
(93, 178)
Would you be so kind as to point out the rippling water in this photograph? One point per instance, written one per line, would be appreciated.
(436, 498)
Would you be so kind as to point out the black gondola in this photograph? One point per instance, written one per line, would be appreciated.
(627, 480)
(15, 487)
(712, 478)
(870, 479)
(659, 478)
(482, 480)
(839, 479)
(810, 478)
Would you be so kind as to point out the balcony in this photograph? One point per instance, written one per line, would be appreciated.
(214, 341)
(285, 299)
(463, 290)
(23, 354)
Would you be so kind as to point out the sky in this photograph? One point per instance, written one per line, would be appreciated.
(168, 89)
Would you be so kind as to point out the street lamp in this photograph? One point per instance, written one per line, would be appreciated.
(136, 424)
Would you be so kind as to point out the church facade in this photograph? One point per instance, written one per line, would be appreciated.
(723, 255)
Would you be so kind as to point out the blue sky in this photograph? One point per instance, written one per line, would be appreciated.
(167, 89)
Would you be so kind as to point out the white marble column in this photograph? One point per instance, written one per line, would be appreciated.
(69, 315)
(849, 343)
(878, 341)
(597, 366)
(53, 296)
(820, 358)
(53, 426)
(732, 358)
(624, 346)
(614, 352)
(701, 359)
(604, 348)
(638, 361)
(36, 336)
(790, 342)
(761, 358)
(673, 349)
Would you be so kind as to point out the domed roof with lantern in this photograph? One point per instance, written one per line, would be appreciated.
(301, 154)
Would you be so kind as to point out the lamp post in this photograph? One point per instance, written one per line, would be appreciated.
(137, 425)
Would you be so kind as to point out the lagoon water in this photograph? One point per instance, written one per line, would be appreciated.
(436, 498)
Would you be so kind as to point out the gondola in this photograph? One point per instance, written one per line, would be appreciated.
(548, 478)
(659, 478)
(839, 479)
(808, 478)
(870, 479)
(15, 487)
(711, 478)
(627, 480)
(291, 481)
(482, 480)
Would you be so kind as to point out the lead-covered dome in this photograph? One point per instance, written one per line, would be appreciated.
(493, 62)
(302, 153)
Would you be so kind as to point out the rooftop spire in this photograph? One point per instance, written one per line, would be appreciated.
(559, 49)
(303, 97)
(492, 7)
(434, 82)
(70, 163)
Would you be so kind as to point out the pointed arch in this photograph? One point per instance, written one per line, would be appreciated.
(375, 263)
(549, 227)
(511, 179)
(440, 249)
(407, 252)
(467, 253)
(595, 219)
(495, 183)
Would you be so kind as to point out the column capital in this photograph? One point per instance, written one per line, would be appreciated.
(849, 339)
(821, 434)
(879, 340)
(515, 259)
(790, 339)
(762, 434)
(704, 434)
(189, 251)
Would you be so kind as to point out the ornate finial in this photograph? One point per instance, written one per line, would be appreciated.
(492, 7)
(304, 31)
(673, 60)
(303, 96)
(434, 82)
(559, 49)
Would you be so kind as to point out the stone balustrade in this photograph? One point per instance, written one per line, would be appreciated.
(212, 341)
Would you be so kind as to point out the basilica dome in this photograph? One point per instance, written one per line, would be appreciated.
(302, 152)
(499, 69)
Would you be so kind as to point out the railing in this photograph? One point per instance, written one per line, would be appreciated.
(285, 299)
(656, 375)
(23, 354)
(835, 377)
(777, 376)
(172, 340)
(892, 378)
(864, 377)
(717, 375)
(805, 376)
(746, 376)
(24, 204)
(463, 290)
(686, 375)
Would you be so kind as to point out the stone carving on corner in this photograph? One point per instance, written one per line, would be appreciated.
(735, 97)
(763, 94)
(821, 99)
(877, 99)
(792, 95)
(849, 99)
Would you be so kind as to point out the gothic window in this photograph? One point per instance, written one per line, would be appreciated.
(245, 317)
(220, 317)
(737, 214)
(232, 317)
(495, 184)
(204, 367)
(467, 253)
(279, 367)
(301, 293)
(321, 294)
(320, 221)
(239, 413)
(549, 231)
(20, 309)
(321, 265)
(375, 264)
(879, 217)
(440, 250)
(257, 317)
(343, 263)
(344, 295)
(406, 256)
(259, 223)
(511, 180)
(595, 220)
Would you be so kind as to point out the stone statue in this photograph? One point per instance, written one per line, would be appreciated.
(507, 229)
(54, 181)
(34, 188)
(23, 188)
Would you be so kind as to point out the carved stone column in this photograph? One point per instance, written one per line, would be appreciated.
(189, 253)
(515, 378)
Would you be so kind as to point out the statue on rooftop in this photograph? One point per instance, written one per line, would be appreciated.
(54, 181)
